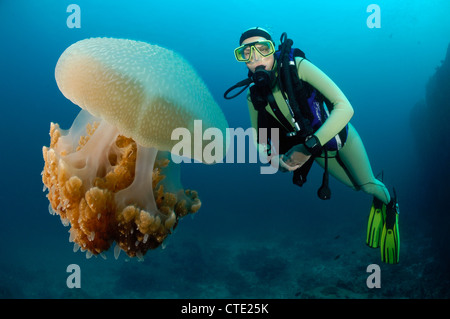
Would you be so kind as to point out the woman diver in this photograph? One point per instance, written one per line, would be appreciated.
(313, 116)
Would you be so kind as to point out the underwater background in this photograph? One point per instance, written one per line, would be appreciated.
(255, 236)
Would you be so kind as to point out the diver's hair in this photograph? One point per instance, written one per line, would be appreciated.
(254, 32)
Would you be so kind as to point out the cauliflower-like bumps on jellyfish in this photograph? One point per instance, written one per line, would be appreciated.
(110, 177)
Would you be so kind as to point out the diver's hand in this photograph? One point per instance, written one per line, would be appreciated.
(279, 164)
(295, 157)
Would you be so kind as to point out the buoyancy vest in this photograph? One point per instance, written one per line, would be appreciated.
(313, 109)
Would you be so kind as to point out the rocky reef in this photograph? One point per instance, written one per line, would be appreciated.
(430, 120)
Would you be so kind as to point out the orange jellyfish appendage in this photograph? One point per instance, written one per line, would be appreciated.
(85, 179)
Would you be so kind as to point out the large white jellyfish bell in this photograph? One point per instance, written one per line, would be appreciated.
(110, 176)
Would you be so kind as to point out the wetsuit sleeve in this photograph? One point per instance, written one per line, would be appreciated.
(342, 111)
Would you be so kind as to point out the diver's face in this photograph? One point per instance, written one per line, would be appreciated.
(257, 59)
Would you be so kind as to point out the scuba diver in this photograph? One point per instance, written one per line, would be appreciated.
(287, 91)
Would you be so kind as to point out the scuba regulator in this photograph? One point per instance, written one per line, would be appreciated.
(261, 78)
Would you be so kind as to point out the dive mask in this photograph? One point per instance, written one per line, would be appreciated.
(245, 52)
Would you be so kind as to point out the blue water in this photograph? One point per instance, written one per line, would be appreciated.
(256, 236)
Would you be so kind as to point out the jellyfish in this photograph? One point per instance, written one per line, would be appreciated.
(110, 177)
